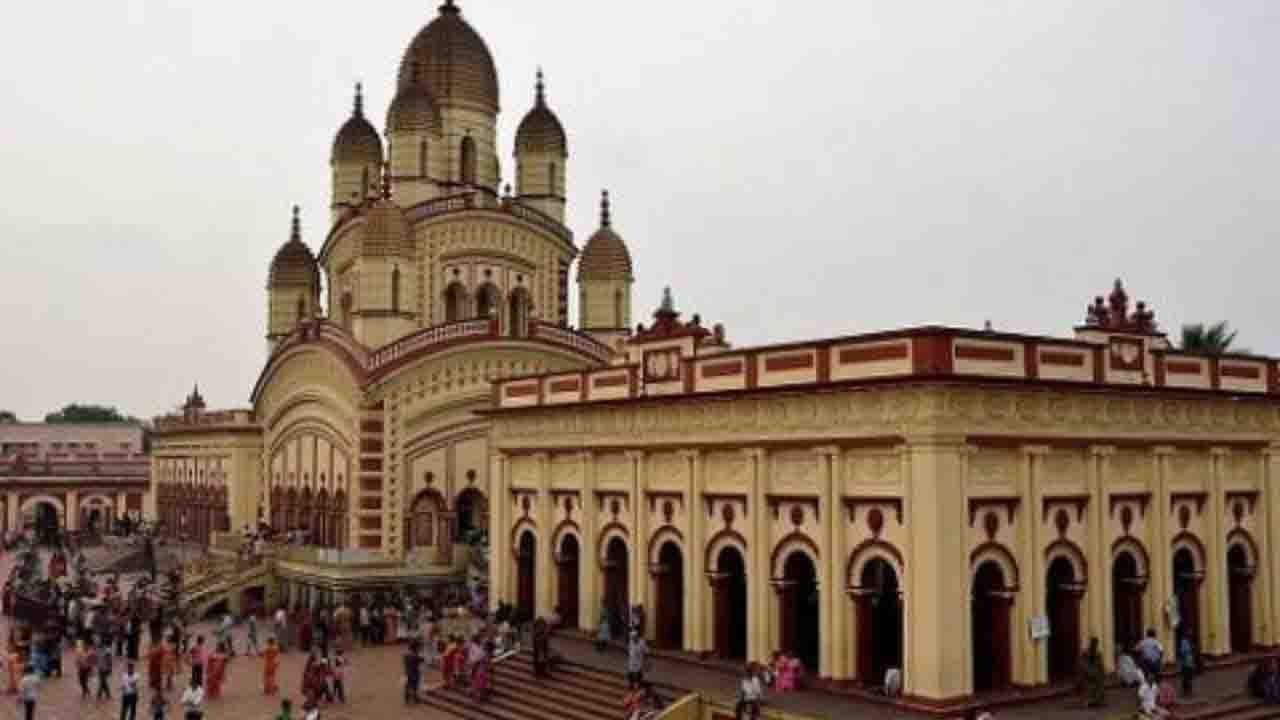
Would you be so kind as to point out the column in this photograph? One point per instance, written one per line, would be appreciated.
(936, 650)
(545, 562)
(1161, 584)
(73, 510)
(1269, 526)
(589, 569)
(1099, 592)
(121, 504)
(499, 532)
(760, 621)
(1032, 662)
(11, 508)
(695, 554)
(1214, 593)
(830, 583)
(639, 555)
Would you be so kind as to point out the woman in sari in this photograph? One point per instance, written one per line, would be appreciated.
(478, 658)
(217, 671)
(270, 664)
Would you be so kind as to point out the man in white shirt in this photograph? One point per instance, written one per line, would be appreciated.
(750, 693)
(129, 694)
(282, 628)
(193, 701)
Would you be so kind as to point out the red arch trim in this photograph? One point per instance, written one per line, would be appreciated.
(997, 549)
(865, 548)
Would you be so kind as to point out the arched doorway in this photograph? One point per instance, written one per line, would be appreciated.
(616, 590)
(421, 522)
(991, 647)
(455, 302)
(798, 609)
(1062, 605)
(670, 587)
(44, 522)
(526, 556)
(1186, 587)
(730, 598)
(1126, 601)
(879, 618)
(567, 585)
(1241, 591)
(518, 313)
(473, 513)
(487, 301)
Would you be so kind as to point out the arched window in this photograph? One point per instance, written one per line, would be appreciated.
(455, 302)
(422, 159)
(518, 317)
(551, 179)
(486, 301)
(468, 160)
(395, 289)
(364, 183)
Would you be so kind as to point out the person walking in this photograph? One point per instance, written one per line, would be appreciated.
(1095, 676)
(282, 628)
(637, 660)
(270, 664)
(193, 701)
(198, 658)
(1186, 663)
(159, 706)
(339, 677)
(251, 643)
(129, 693)
(1151, 653)
(28, 689)
(603, 634)
(155, 667)
(750, 694)
(286, 710)
(170, 662)
(412, 673)
(217, 671)
(104, 671)
(86, 662)
(541, 647)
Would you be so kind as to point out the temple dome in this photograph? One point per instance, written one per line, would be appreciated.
(357, 140)
(413, 110)
(605, 255)
(454, 61)
(294, 265)
(540, 131)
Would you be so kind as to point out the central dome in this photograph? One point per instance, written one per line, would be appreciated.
(451, 59)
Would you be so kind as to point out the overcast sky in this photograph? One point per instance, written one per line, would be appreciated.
(793, 170)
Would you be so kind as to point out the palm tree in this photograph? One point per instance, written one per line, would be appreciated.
(1213, 339)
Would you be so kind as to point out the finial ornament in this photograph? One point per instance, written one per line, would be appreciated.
(295, 232)
(668, 303)
(540, 97)
(358, 109)
(449, 7)
(605, 219)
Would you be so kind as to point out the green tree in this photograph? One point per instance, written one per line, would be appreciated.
(77, 413)
(7, 416)
(1209, 339)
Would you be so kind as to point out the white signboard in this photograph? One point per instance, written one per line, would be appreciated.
(1039, 627)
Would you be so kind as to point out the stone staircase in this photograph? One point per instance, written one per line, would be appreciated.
(573, 692)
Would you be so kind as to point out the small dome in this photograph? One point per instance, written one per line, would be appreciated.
(294, 265)
(605, 255)
(413, 110)
(459, 70)
(540, 131)
(357, 141)
(386, 229)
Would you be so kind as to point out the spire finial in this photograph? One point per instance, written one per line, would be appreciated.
(295, 232)
(449, 7)
(358, 109)
(605, 219)
(540, 98)
(668, 303)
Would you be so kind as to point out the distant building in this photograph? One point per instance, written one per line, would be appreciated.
(80, 474)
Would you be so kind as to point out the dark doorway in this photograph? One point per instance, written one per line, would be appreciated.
(473, 514)
(1241, 589)
(1062, 605)
(1126, 601)
(1186, 587)
(991, 647)
(45, 522)
(568, 581)
(879, 618)
(798, 610)
(670, 618)
(526, 557)
(730, 605)
(617, 593)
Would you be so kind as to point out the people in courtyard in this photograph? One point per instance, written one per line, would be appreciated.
(28, 690)
(1094, 676)
(86, 663)
(1148, 703)
(637, 659)
(105, 658)
(270, 664)
(750, 694)
(217, 666)
(129, 693)
(1150, 653)
(412, 673)
(193, 701)
(251, 642)
(541, 647)
(339, 672)
(1186, 662)
(1127, 670)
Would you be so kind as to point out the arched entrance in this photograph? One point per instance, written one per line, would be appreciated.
(879, 617)
(991, 647)
(730, 604)
(473, 513)
(670, 590)
(1062, 605)
(42, 516)
(616, 590)
(798, 609)
(1186, 587)
(1126, 600)
(1241, 591)
(567, 580)
(526, 555)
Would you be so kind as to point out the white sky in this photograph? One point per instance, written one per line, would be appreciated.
(793, 170)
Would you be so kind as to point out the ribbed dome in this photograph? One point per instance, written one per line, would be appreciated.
(605, 255)
(455, 63)
(413, 110)
(294, 265)
(357, 141)
(540, 131)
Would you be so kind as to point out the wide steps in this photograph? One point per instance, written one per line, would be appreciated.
(1241, 708)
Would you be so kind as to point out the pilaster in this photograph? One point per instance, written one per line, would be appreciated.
(499, 529)
(830, 584)
(760, 622)
(936, 647)
(639, 558)
(1216, 594)
(1035, 656)
(1100, 592)
(1158, 546)
(1269, 528)
(545, 564)
(73, 509)
(589, 567)
(694, 633)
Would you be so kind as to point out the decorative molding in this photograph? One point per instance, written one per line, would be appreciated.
(1250, 496)
(1010, 504)
(851, 503)
(1199, 496)
(776, 500)
(656, 495)
(1079, 501)
(709, 500)
(1142, 498)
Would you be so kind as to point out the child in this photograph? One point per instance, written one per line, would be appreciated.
(339, 672)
